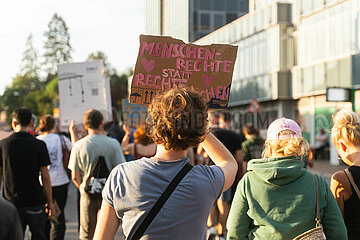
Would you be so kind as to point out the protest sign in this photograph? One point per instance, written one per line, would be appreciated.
(134, 114)
(164, 63)
(82, 86)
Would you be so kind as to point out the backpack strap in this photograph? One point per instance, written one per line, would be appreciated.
(352, 182)
(317, 218)
(160, 202)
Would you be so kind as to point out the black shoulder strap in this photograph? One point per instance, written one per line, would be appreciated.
(161, 201)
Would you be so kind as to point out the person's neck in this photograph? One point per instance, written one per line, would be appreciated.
(21, 129)
(95, 131)
(165, 155)
(48, 132)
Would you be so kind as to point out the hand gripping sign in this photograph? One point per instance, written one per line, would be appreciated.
(164, 63)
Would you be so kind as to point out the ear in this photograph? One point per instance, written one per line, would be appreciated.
(342, 145)
(14, 124)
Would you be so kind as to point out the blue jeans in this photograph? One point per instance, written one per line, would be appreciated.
(35, 217)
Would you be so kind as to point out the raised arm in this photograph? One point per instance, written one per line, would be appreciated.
(222, 158)
(72, 131)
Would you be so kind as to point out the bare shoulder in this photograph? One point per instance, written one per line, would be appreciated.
(340, 183)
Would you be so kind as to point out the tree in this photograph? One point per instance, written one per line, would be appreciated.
(29, 62)
(99, 55)
(57, 45)
(118, 88)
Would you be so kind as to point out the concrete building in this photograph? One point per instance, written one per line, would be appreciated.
(191, 19)
(264, 62)
(289, 54)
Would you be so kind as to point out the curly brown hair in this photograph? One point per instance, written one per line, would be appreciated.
(141, 136)
(177, 119)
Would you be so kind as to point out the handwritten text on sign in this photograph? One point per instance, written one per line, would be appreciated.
(165, 62)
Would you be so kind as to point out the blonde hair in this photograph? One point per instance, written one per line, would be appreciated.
(294, 146)
(346, 127)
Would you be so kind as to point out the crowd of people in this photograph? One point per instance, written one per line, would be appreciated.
(185, 174)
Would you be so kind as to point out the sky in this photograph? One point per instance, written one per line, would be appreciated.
(111, 26)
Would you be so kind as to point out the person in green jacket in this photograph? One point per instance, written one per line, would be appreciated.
(276, 199)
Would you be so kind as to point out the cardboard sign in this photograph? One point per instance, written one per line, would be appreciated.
(134, 114)
(82, 86)
(164, 63)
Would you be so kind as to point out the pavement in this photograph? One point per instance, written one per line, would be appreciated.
(321, 167)
(325, 169)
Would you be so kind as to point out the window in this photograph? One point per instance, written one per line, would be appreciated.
(195, 20)
(205, 22)
(345, 72)
(219, 21)
(231, 17)
(244, 6)
(232, 5)
(308, 79)
(331, 74)
(206, 4)
(319, 80)
(219, 5)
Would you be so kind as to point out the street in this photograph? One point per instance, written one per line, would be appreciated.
(321, 167)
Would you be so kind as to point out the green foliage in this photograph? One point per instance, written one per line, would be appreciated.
(118, 88)
(30, 66)
(41, 96)
(99, 55)
(57, 45)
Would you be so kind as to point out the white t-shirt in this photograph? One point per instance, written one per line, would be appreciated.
(57, 172)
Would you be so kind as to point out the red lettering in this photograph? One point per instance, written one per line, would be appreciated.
(180, 63)
(139, 79)
(196, 66)
(227, 66)
(165, 73)
(190, 52)
(176, 51)
(166, 50)
(157, 86)
(157, 49)
(210, 54)
(146, 47)
(209, 93)
(207, 65)
(218, 92)
(188, 65)
(181, 50)
(200, 53)
(165, 82)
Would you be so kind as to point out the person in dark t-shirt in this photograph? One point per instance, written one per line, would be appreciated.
(232, 141)
(22, 159)
(253, 146)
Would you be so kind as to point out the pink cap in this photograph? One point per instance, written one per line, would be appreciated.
(280, 125)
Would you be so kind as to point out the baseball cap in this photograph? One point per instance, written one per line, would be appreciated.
(280, 125)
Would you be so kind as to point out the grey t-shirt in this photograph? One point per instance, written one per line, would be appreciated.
(85, 152)
(133, 188)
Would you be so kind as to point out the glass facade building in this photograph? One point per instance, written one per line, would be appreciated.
(264, 59)
(327, 45)
(191, 19)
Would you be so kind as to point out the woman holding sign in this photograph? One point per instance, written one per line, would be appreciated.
(178, 121)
